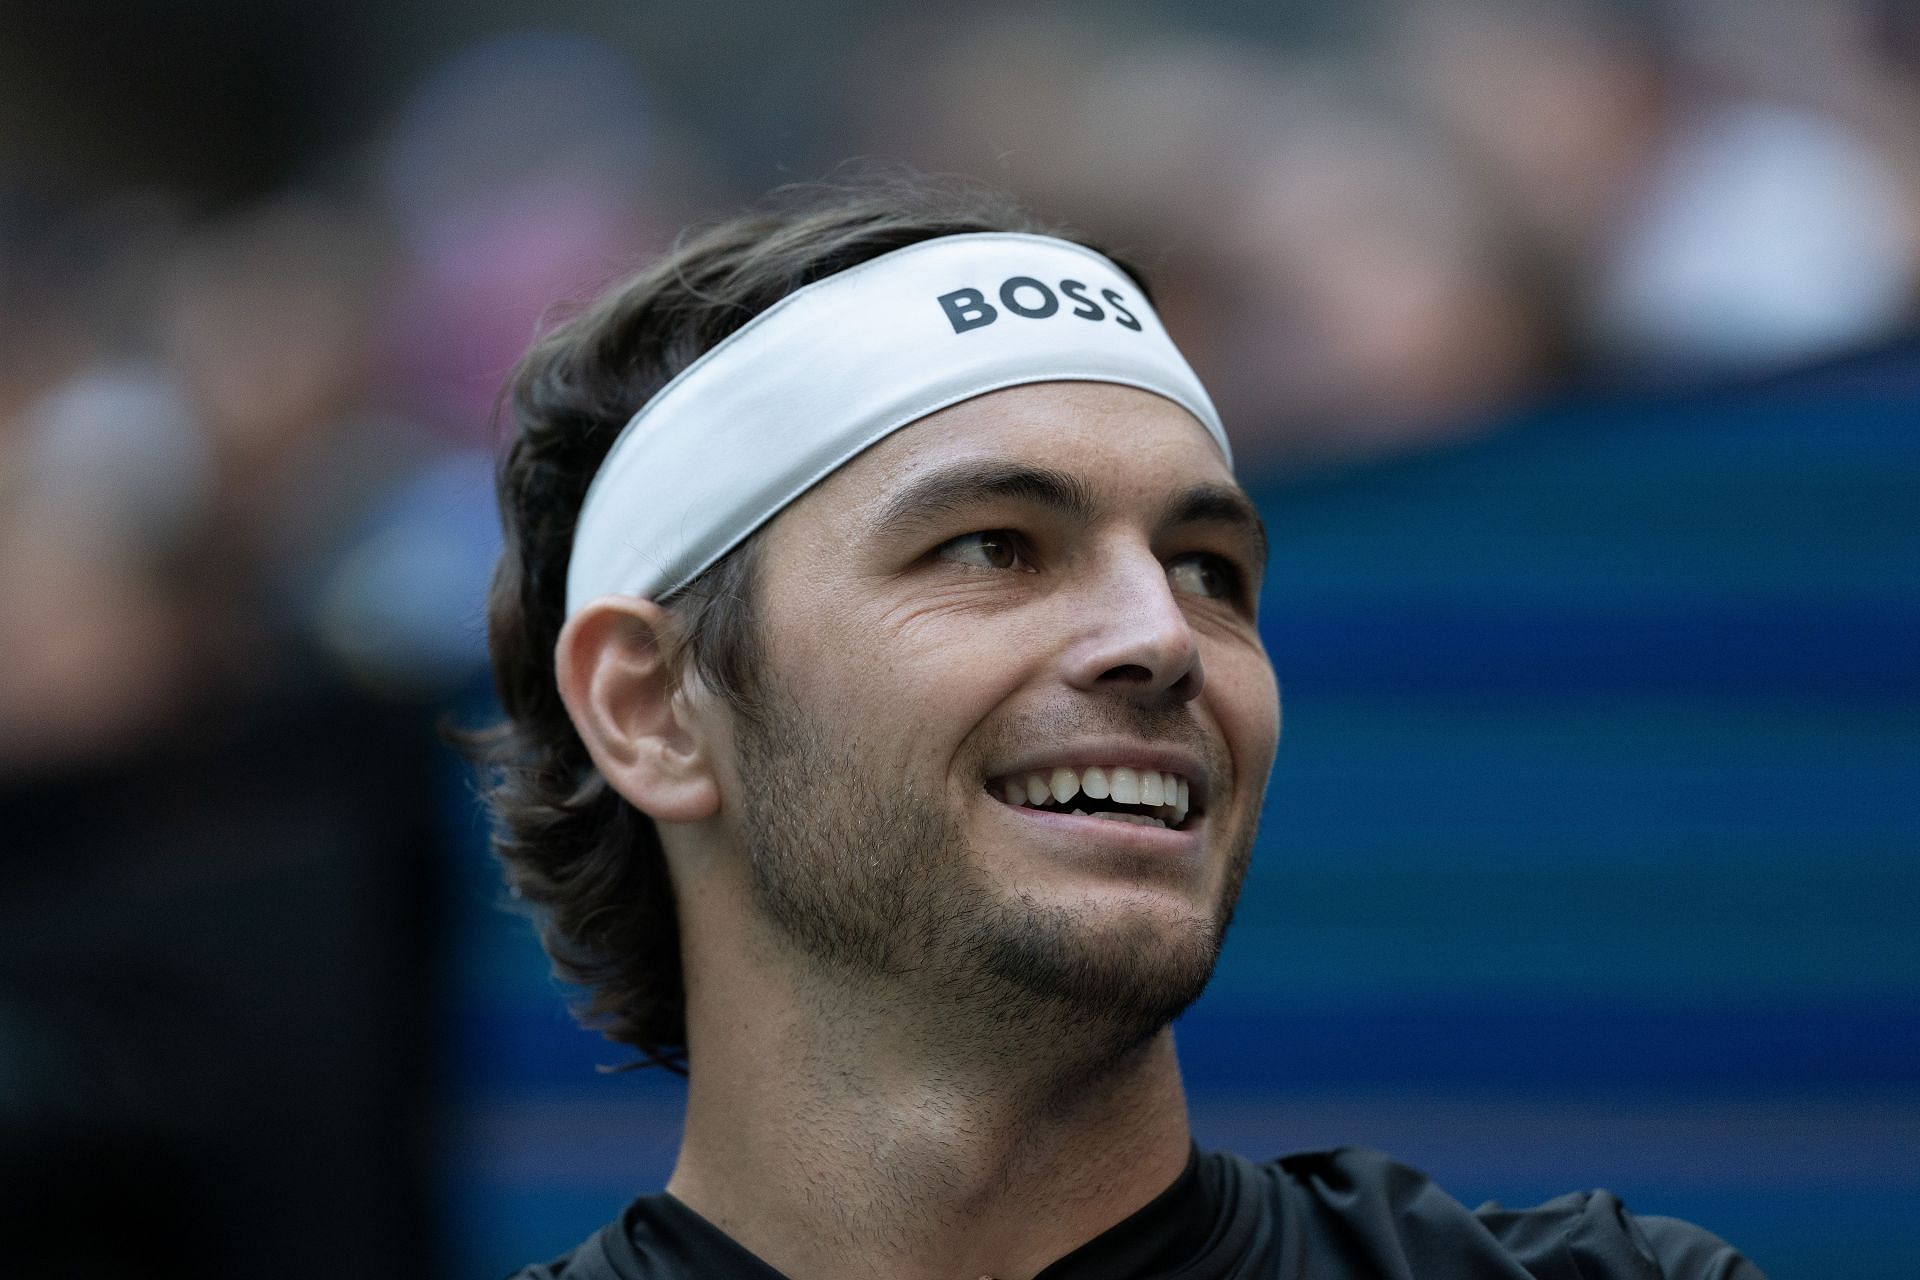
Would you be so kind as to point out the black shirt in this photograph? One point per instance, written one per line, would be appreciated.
(1346, 1214)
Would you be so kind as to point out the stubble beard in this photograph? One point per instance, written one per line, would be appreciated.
(875, 890)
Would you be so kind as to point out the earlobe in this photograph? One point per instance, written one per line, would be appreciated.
(614, 669)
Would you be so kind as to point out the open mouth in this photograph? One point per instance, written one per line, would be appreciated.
(1145, 797)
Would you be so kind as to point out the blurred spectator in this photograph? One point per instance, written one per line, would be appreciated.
(1000, 92)
(1764, 235)
(1707, 211)
(521, 172)
(106, 480)
(272, 323)
(1372, 296)
(74, 687)
(1560, 104)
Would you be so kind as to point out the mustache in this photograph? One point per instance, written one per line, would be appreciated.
(1161, 724)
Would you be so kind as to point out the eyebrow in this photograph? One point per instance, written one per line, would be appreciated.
(1219, 504)
(972, 484)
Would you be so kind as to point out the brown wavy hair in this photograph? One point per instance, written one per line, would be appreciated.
(587, 864)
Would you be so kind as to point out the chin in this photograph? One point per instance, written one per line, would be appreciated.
(1128, 968)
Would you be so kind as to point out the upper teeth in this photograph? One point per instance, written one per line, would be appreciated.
(1120, 783)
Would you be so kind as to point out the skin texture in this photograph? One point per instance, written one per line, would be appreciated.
(928, 1030)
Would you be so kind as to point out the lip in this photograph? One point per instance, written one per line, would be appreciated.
(1122, 753)
(1117, 836)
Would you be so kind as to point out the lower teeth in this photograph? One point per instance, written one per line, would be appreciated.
(1137, 819)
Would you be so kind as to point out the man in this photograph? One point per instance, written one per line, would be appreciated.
(887, 723)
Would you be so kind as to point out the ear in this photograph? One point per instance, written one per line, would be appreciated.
(612, 664)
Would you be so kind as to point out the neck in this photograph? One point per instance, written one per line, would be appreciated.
(833, 1133)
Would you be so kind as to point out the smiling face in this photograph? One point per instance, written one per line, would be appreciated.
(1017, 717)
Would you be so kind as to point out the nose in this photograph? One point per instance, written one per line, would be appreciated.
(1132, 636)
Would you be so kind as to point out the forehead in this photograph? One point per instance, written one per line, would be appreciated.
(1125, 443)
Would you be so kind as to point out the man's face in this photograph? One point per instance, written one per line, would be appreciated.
(1038, 601)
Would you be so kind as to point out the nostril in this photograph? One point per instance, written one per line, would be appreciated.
(1134, 676)
(1188, 686)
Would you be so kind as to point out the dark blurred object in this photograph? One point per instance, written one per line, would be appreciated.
(1896, 25)
(216, 1018)
(213, 97)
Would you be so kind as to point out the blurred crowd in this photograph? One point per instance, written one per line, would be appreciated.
(234, 439)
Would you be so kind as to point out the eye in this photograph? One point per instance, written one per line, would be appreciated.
(1203, 574)
(990, 549)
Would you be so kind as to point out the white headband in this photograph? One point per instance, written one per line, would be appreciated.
(839, 365)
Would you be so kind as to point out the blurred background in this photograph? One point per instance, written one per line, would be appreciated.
(1572, 350)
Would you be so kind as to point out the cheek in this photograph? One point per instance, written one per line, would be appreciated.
(908, 693)
(1247, 703)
